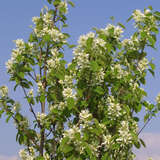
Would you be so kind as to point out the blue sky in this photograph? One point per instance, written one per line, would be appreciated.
(15, 19)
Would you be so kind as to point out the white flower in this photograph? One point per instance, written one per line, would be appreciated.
(41, 117)
(106, 140)
(100, 42)
(84, 115)
(124, 133)
(19, 43)
(16, 107)
(83, 38)
(63, 5)
(71, 132)
(3, 91)
(40, 86)
(23, 155)
(158, 98)
(117, 31)
(68, 93)
(138, 16)
(147, 11)
(35, 20)
(143, 64)
(30, 93)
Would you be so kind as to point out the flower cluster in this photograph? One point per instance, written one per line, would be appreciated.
(68, 93)
(143, 65)
(118, 71)
(138, 16)
(124, 133)
(41, 117)
(113, 31)
(44, 27)
(114, 109)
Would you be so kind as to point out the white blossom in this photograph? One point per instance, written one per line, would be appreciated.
(63, 4)
(143, 64)
(84, 115)
(68, 93)
(124, 133)
(138, 16)
(158, 98)
(3, 91)
(30, 93)
(41, 117)
(117, 31)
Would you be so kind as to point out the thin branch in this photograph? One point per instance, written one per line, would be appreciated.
(144, 125)
(33, 78)
(31, 108)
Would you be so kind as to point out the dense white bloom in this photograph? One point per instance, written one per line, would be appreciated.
(133, 84)
(99, 76)
(124, 133)
(138, 16)
(71, 132)
(118, 71)
(19, 43)
(68, 80)
(143, 64)
(3, 91)
(60, 106)
(114, 108)
(35, 20)
(25, 156)
(41, 117)
(53, 63)
(9, 65)
(47, 18)
(83, 38)
(68, 93)
(107, 140)
(117, 31)
(100, 42)
(84, 115)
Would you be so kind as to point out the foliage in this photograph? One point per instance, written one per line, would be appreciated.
(86, 109)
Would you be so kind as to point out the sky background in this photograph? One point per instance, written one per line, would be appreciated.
(15, 19)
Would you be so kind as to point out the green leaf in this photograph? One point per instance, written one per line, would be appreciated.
(150, 7)
(71, 3)
(146, 117)
(94, 66)
(49, 1)
(39, 158)
(129, 18)
(70, 103)
(151, 40)
(42, 98)
(152, 65)
(67, 148)
(89, 42)
(121, 25)
(152, 72)
(99, 90)
(142, 142)
(56, 2)
(137, 145)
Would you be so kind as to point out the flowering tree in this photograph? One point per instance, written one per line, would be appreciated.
(84, 110)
